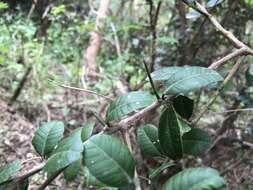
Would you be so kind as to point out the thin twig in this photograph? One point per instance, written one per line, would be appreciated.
(215, 95)
(80, 89)
(151, 81)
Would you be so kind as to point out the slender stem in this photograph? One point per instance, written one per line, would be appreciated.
(80, 89)
(215, 95)
(151, 81)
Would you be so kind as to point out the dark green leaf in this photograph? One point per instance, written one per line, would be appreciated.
(72, 170)
(190, 79)
(148, 140)
(169, 133)
(61, 160)
(87, 131)
(109, 160)
(160, 169)
(8, 170)
(47, 137)
(183, 106)
(196, 141)
(195, 179)
(127, 104)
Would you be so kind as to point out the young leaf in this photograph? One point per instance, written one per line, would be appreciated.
(195, 179)
(8, 170)
(47, 137)
(72, 170)
(127, 104)
(160, 169)
(169, 134)
(148, 140)
(87, 131)
(190, 79)
(183, 106)
(61, 160)
(196, 141)
(109, 160)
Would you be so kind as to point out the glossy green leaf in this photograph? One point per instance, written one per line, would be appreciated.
(169, 133)
(190, 79)
(47, 137)
(128, 103)
(148, 140)
(164, 73)
(61, 160)
(155, 173)
(196, 141)
(8, 170)
(183, 106)
(195, 179)
(87, 131)
(72, 170)
(109, 160)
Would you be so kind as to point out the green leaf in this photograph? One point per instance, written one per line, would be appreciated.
(169, 133)
(160, 169)
(148, 140)
(196, 141)
(68, 151)
(109, 160)
(72, 170)
(8, 170)
(190, 79)
(164, 73)
(87, 131)
(47, 137)
(128, 103)
(184, 127)
(73, 143)
(61, 160)
(183, 106)
(195, 179)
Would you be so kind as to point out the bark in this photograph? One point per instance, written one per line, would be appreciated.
(95, 38)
